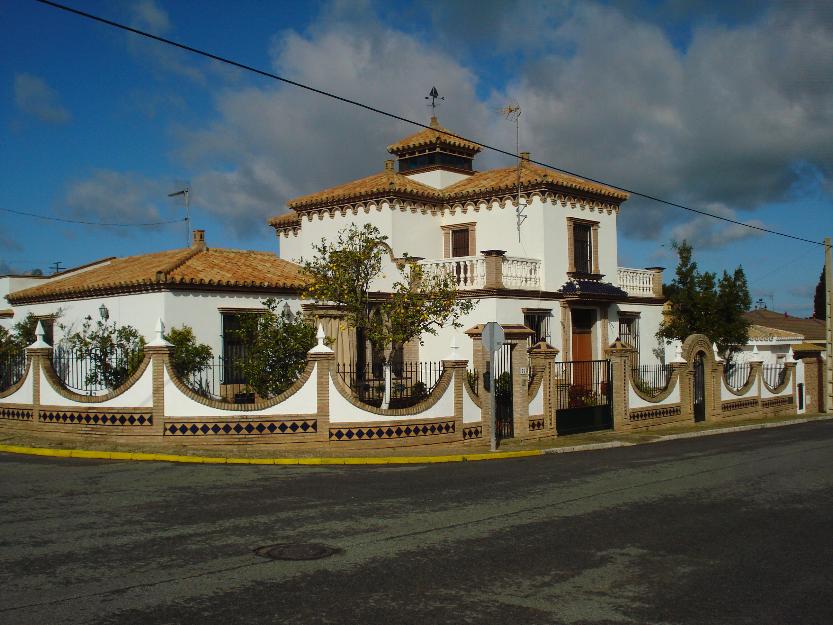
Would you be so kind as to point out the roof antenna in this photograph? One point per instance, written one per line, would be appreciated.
(185, 192)
(512, 112)
(434, 95)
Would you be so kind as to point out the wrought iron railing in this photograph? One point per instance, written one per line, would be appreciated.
(12, 366)
(474, 380)
(736, 374)
(410, 382)
(95, 371)
(223, 379)
(651, 380)
(774, 375)
(582, 383)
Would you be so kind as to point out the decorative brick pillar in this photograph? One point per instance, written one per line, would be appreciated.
(160, 356)
(520, 388)
(656, 280)
(494, 268)
(37, 352)
(542, 362)
(620, 356)
(757, 373)
(37, 356)
(458, 369)
(324, 359)
(813, 384)
(684, 382)
(480, 360)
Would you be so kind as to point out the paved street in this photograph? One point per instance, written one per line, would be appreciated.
(723, 529)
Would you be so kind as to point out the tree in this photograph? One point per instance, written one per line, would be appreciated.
(699, 304)
(276, 346)
(114, 352)
(343, 271)
(820, 298)
(189, 357)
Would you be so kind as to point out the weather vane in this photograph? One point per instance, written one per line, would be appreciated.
(434, 95)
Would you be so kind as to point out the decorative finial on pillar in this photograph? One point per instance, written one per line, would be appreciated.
(678, 354)
(320, 348)
(454, 354)
(716, 353)
(790, 355)
(39, 334)
(159, 341)
(756, 356)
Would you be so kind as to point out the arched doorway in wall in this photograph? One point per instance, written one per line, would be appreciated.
(699, 391)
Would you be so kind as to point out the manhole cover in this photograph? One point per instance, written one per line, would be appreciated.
(297, 551)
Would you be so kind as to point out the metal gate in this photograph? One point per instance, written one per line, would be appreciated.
(583, 391)
(699, 388)
(504, 416)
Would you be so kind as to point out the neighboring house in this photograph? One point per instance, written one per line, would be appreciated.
(204, 288)
(774, 333)
(557, 273)
(11, 283)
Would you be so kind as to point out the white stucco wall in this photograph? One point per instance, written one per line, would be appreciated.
(198, 309)
(650, 316)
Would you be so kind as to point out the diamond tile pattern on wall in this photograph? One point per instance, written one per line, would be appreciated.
(393, 431)
(472, 432)
(16, 414)
(536, 424)
(72, 417)
(241, 428)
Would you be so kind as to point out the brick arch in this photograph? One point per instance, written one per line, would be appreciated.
(712, 372)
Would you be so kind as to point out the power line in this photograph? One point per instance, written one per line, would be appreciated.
(334, 96)
(90, 223)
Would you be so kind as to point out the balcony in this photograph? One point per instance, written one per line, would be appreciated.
(490, 271)
(641, 282)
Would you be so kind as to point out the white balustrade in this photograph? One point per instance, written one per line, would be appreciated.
(636, 282)
(521, 273)
(468, 272)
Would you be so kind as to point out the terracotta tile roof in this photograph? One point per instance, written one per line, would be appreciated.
(483, 184)
(436, 135)
(383, 184)
(811, 329)
(287, 220)
(764, 333)
(193, 267)
(506, 179)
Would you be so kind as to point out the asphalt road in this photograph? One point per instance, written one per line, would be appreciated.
(723, 529)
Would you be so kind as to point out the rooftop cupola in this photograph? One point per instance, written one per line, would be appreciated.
(434, 148)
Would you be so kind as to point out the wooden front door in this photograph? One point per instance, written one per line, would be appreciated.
(582, 346)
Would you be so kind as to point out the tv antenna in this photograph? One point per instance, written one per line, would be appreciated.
(185, 192)
(512, 112)
(434, 95)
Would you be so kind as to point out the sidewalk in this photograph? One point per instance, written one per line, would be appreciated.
(89, 447)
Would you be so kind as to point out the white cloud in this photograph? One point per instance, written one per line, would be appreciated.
(147, 15)
(118, 197)
(34, 97)
(274, 142)
(725, 120)
(708, 233)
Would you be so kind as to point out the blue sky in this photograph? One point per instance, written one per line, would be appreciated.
(726, 107)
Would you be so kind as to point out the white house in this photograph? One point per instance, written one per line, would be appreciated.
(557, 273)
(201, 287)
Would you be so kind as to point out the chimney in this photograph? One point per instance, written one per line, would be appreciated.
(198, 240)
(389, 164)
(524, 156)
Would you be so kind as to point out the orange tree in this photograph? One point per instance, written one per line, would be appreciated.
(343, 272)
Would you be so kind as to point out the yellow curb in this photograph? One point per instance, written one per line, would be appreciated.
(139, 456)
